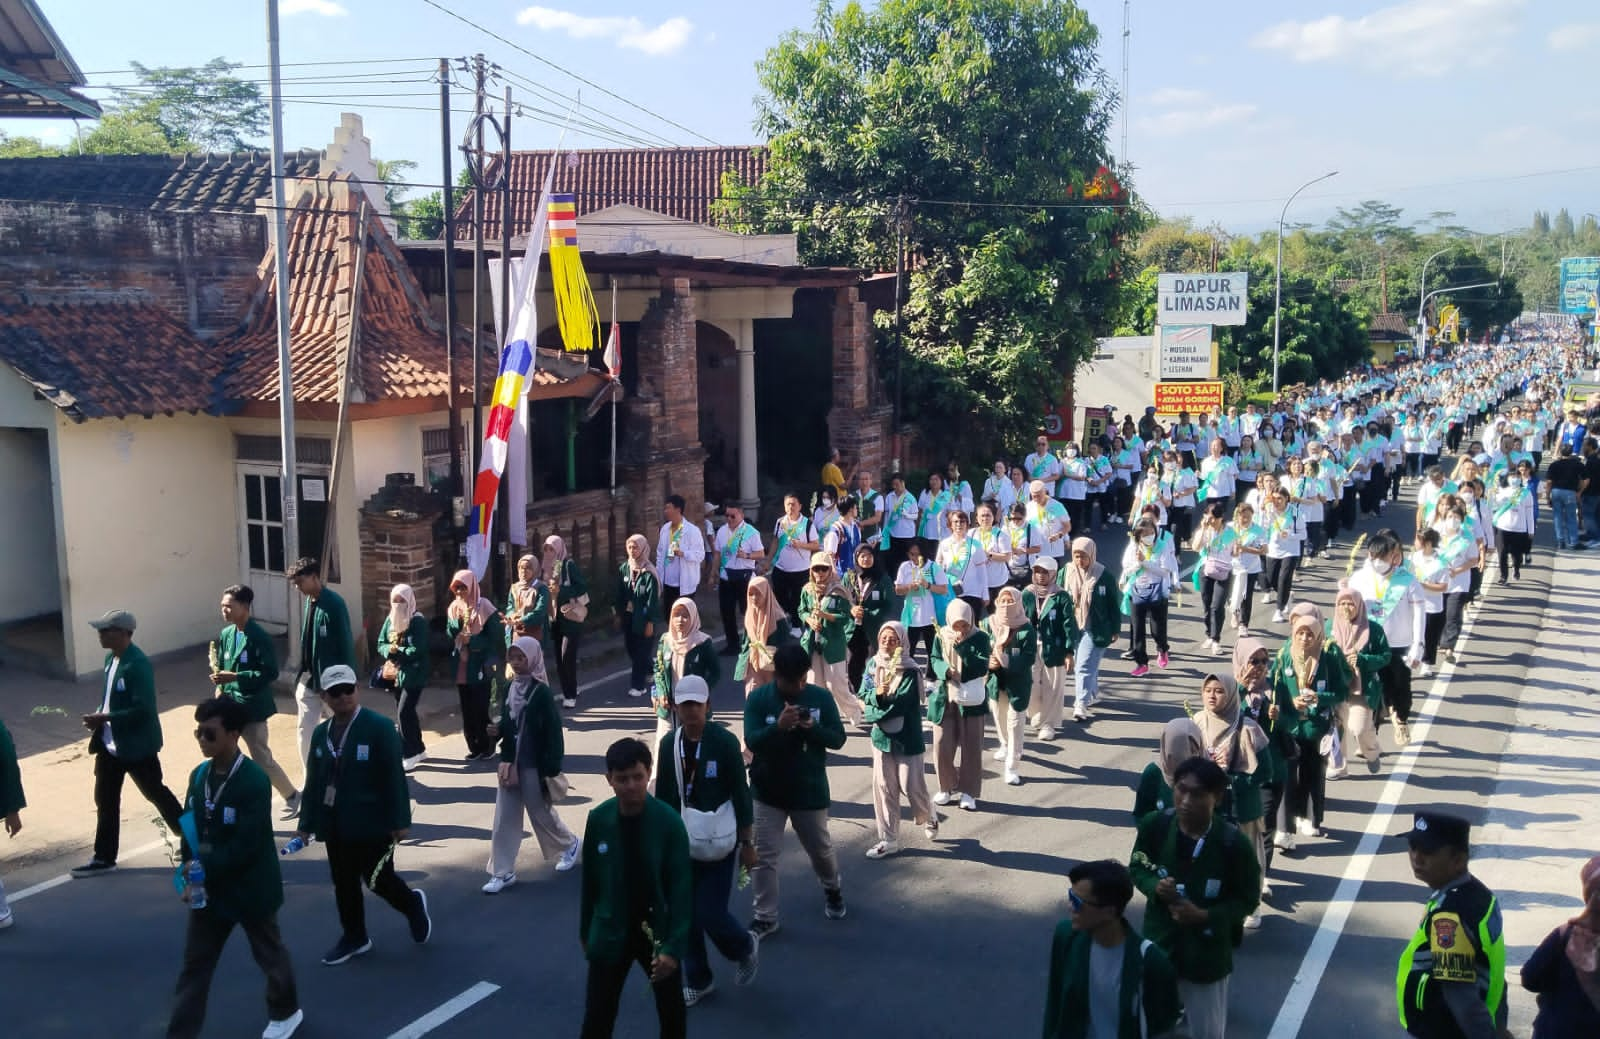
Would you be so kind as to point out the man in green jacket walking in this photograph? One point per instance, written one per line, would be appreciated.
(230, 802)
(244, 664)
(324, 642)
(637, 896)
(1105, 979)
(124, 740)
(11, 805)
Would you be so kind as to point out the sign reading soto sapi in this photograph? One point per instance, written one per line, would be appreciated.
(1193, 397)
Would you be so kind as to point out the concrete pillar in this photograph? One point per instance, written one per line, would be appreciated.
(745, 345)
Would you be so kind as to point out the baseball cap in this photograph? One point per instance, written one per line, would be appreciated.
(337, 675)
(1431, 831)
(119, 619)
(821, 559)
(691, 689)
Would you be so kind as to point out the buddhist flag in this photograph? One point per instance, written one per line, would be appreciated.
(576, 313)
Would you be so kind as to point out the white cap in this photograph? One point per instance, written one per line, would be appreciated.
(691, 689)
(338, 674)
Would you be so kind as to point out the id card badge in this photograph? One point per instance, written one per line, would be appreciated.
(327, 796)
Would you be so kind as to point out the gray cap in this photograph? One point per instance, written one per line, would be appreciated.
(338, 674)
(120, 619)
(691, 689)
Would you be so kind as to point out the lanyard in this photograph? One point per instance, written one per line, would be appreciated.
(336, 749)
(211, 799)
(691, 769)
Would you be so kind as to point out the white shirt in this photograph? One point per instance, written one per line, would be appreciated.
(1401, 611)
(995, 543)
(968, 576)
(105, 705)
(1045, 468)
(937, 526)
(1518, 519)
(749, 541)
(1053, 526)
(1223, 473)
(919, 604)
(793, 559)
(680, 569)
(905, 524)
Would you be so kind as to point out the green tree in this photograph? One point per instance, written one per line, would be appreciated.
(198, 109)
(984, 123)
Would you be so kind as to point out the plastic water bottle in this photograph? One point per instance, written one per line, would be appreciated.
(196, 877)
(295, 845)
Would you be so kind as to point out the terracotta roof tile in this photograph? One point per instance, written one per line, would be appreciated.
(111, 360)
(217, 183)
(679, 182)
(1389, 325)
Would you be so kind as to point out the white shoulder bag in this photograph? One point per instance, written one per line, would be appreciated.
(712, 835)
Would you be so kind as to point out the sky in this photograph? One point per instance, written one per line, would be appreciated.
(1480, 108)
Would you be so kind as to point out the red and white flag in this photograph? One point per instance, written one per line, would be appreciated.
(613, 354)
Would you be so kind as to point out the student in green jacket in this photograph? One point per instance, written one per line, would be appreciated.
(1232, 739)
(1049, 610)
(569, 605)
(1014, 648)
(125, 741)
(244, 666)
(1180, 741)
(891, 696)
(766, 627)
(638, 604)
(684, 650)
(958, 704)
(230, 801)
(825, 634)
(476, 643)
(1096, 945)
(638, 896)
(11, 805)
(1310, 679)
(527, 609)
(702, 768)
(325, 640)
(357, 804)
(789, 726)
(403, 648)
(871, 595)
(1097, 612)
(1366, 650)
(1200, 877)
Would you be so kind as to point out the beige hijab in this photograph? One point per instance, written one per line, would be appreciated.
(1217, 727)
(1583, 939)
(471, 608)
(680, 645)
(886, 669)
(1079, 582)
(1008, 619)
(950, 639)
(762, 615)
(522, 591)
(639, 556)
(521, 688)
(1180, 741)
(1351, 636)
(1305, 664)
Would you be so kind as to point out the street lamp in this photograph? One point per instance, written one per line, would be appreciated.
(1422, 300)
(1277, 293)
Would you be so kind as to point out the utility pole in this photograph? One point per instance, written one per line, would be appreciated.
(480, 70)
(290, 485)
(457, 487)
(506, 282)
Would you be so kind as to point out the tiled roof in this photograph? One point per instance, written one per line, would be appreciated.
(217, 183)
(1390, 326)
(679, 182)
(111, 360)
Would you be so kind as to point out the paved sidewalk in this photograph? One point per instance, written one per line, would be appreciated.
(1544, 815)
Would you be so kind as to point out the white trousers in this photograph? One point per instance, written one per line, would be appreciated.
(835, 678)
(1206, 1007)
(1048, 701)
(309, 712)
(1008, 725)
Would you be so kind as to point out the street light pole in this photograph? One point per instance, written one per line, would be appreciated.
(1422, 300)
(1277, 291)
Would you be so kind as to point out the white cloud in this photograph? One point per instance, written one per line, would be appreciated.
(1576, 37)
(1176, 96)
(326, 8)
(627, 32)
(1416, 38)
(1180, 110)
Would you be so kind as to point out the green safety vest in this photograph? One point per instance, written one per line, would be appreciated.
(1460, 939)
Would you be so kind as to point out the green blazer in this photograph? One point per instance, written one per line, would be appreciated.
(249, 654)
(11, 799)
(876, 598)
(571, 587)
(789, 769)
(903, 702)
(483, 649)
(1153, 794)
(1054, 624)
(1105, 607)
(603, 925)
(538, 742)
(780, 636)
(243, 881)
(974, 654)
(1224, 880)
(534, 619)
(135, 722)
(1333, 681)
(1370, 660)
(372, 799)
(1017, 677)
(325, 636)
(833, 641)
(702, 660)
(722, 774)
(643, 595)
(1145, 971)
(409, 652)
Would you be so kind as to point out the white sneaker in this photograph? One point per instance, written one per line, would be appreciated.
(7, 920)
(1216, 648)
(1244, 632)
(882, 850)
(943, 797)
(1266, 891)
(636, 693)
(1305, 827)
(285, 1028)
(569, 858)
(1046, 733)
(1283, 840)
(1427, 670)
(410, 764)
(1080, 713)
(1266, 598)
(969, 803)
(1205, 644)
(1012, 779)
(1278, 617)
(291, 805)
(498, 883)
(569, 701)
(1252, 922)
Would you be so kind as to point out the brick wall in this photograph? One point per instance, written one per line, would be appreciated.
(396, 548)
(858, 423)
(594, 526)
(659, 450)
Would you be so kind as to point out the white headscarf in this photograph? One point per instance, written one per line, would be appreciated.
(400, 613)
(522, 685)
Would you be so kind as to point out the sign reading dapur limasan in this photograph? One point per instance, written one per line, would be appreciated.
(1201, 299)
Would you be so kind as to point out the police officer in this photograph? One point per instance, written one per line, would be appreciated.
(1451, 983)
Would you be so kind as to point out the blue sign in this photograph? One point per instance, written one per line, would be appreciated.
(1580, 282)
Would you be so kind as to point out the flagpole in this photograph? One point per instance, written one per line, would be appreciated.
(614, 386)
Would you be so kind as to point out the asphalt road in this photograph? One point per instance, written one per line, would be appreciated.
(949, 938)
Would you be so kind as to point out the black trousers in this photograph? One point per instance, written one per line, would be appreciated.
(1455, 606)
(1512, 547)
(787, 586)
(859, 649)
(1433, 628)
(731, 596)
(641, 655)
(410, 727)
(474, 699)
(1271, 802)
(924, 635)
(1280, 578)
(564, 640)
(1348, 506)
(1315, 541)
(351, 863)
(202, 948)
(1396, 679)
(603, 995)
(899, 552)
(109, 771)
(1181, 519)
(1153, 615)
(1077, 509)
(1310, 782)
(1330, 522)
(1214, 602)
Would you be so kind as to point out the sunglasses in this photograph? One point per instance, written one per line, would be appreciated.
(339, 693)
(205, 735)
(1078, 903)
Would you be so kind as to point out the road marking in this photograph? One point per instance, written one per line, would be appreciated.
(447, 1010)
(54, 882)
(1297, 1004)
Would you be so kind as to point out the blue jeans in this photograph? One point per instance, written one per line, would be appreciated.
(1564, 512)
(713, 883)
(1086, 671)
(1589, 507)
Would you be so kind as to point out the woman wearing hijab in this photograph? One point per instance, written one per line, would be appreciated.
(871, 596)
(683, 650)
(1149, 574)
(1049, 610)
(1564, 971)
(474, 628)
(891, 698)
(569, 604)
(958, 704)
(531, 751)
(1309, 679)
(638, 604)
(1366, 650)
(1097, 612)
(1234, 741)
(765, 629)
(1252, 668)
(1011, 656)
(825, 636)
(1180, 741)
(403, 646)
(527, 609)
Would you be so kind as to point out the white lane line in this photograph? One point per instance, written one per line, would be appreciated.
(54, 882)
(1297, 1004)
(447, 1010)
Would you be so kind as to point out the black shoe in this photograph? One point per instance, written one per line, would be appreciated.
(93, 868)
(833, 904)
(345, 949)
(421, 922)
(763, 929)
